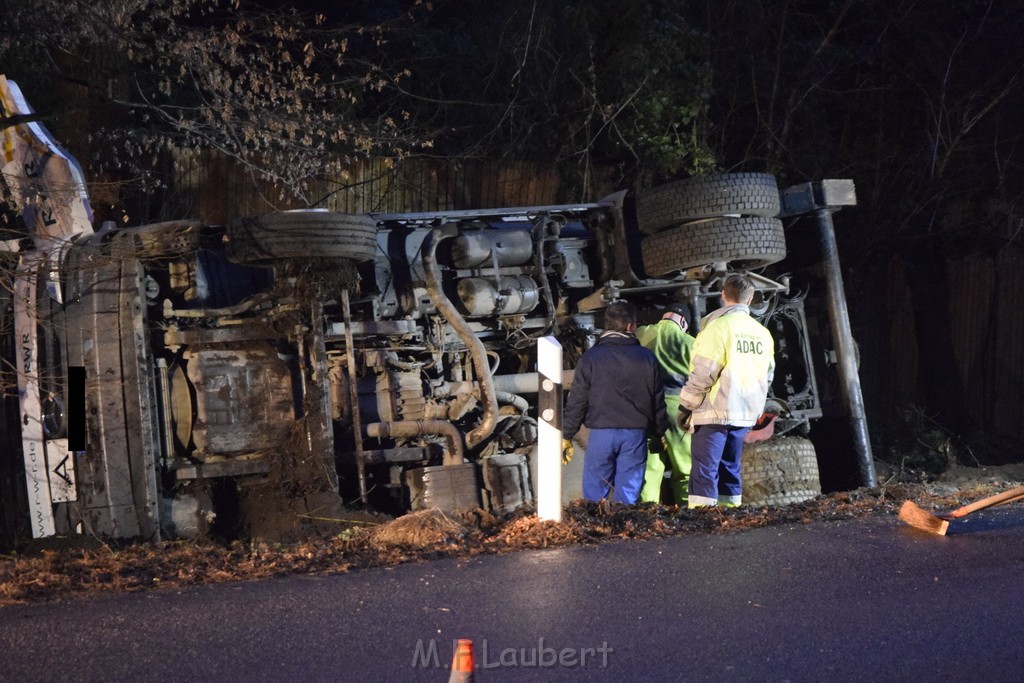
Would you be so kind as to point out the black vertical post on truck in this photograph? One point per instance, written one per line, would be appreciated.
(821, 199)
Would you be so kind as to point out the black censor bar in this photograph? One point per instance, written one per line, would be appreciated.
(76, 408)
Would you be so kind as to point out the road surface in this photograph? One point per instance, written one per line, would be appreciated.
(869, 600)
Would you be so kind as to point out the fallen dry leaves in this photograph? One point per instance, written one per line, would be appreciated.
(74, 571)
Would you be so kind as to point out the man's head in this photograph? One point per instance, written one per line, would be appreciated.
(679, 314)
(620, 316)
(738, 289)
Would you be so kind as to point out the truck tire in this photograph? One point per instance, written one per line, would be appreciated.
(741, 194)
(751, 242)
(779, 471)
(261, 240)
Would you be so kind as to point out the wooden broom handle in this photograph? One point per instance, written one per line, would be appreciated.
(1004, 497)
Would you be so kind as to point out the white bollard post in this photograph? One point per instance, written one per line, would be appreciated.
(549, 432)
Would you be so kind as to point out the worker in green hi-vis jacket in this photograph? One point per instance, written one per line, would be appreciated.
(671, 345)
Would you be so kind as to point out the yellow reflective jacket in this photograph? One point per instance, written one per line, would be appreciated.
(731, 369)
(672, 347)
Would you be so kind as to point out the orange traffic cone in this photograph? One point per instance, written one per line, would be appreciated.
(462, 662)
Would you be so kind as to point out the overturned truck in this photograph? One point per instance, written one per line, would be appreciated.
(252, 378)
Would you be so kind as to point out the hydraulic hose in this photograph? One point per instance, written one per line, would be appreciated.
(476, 347)
(412, 428)
(514, 400)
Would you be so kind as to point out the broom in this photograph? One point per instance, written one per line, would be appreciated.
(938, 524)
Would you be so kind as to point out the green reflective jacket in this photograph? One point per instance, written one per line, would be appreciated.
(672, 348)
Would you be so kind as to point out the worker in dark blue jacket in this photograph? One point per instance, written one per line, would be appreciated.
(618, 393)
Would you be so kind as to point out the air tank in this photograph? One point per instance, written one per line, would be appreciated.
(482, 297)
(478, 248)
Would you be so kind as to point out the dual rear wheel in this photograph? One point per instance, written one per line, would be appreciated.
(718, 218)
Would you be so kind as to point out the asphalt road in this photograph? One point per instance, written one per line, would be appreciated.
(846, 601)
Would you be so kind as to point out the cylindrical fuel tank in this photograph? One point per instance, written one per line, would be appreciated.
(481, 296)
(472, 249)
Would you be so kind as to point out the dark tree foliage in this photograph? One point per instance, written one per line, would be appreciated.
(918, 102)
(916, 99)
(289, 94)
(300, 88)
(575, 83)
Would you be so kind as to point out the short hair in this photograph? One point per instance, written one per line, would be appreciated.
(738, 288)
(619, 316)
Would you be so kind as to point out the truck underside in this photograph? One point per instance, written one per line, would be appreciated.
(253, 379)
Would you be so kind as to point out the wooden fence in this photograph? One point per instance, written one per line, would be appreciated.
(986, 316)
(213, 188)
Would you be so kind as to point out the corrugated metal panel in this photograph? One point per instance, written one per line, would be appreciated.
(970, 314)
(901, 364)
(986, 313)
(1008, 371)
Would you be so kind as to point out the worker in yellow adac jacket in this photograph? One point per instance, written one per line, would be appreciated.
(732, 366)
(671, 345)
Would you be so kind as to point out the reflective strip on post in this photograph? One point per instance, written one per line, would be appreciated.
(549, 432)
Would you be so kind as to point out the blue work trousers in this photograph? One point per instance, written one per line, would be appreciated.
(715, 470)
(615, 457)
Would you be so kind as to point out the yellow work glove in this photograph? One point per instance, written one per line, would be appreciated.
(567, 451)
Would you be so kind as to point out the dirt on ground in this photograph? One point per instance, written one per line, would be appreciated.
(80, 568)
